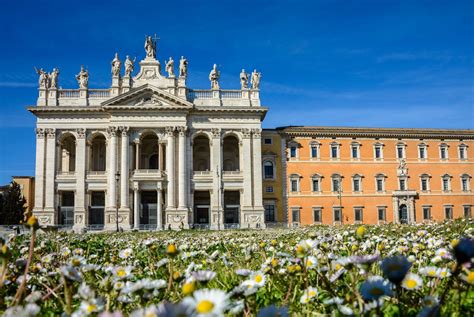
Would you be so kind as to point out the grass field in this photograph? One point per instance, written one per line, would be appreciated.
(345, 270)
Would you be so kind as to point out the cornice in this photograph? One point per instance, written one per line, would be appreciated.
(63, 109)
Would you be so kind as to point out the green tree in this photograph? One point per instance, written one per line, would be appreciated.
(12, 205)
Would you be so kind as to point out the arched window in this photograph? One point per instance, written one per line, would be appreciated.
(355, 150)
(268, 170)
(465, 182)
(401, 150)
(462, 151)
(334, 150)
(231, 153)
(443, 151)
(67, 161)
(446, 183)
(336, 183)
(293, 149)
(378, 151)
(314, 149)
(316, 183)
(357, 183)
(295, 183)
(98, 154)
(380, 182)
(201, 153)
(149, 152)
(422, 151)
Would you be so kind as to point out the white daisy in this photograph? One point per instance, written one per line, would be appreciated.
(308, 295)
(412, 281)
(125, 253)
(207, 302)
(311, 262)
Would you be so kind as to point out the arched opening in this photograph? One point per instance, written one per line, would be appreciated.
(149, 152)
(98, 153)
(68, 154)
(201, 154)
(231, 154)
(403, 213)
(268, 172)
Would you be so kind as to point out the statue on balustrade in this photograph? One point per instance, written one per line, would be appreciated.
(255, 79)
(170, 67)
(244, 79)
(116, 64)
(214, 77)
(150, 47)
(53, 78)
(183, 67)
(129, 66)
(83, 78)
(43, 79)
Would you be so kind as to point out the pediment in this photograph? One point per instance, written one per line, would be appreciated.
(147, 96)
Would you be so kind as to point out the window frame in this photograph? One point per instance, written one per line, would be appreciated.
(425, 177)
(467, 208)
(265, 212)
(447, 178)
(318, 178)
(297, 179)
(319, 211)
(401, 146)
(445, 147)
(424, 147)
(426, 208)
(361, 210)
(462, 148)
(382, 209)
(356, 146)
(267, 138)
(358, 178)
(337, 210)
(451, 212)
(380, 177)
(465, 178)
(338, 152)
(338, 178)
(265, 172)
(295, 210)
(314, 145)
(378, 146)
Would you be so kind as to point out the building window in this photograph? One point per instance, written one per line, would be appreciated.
(446, 183)
(267, 141)
(422, 151)
(318, 215)
(316, 183)
(378, 153)
(336, 182)
(443, 151)
(358, 214)
(462, 152)
(355, 153)
(295, 212)
(380, 182)
(314, 150)
(426, 213)
(381, 213)
(295, 183)
(270, 213)
(400, 151)
(465, 186)
(402, 184)
(357, 183)
(467, 211)
(268, 169)
(293, 151)
(448, 212)
(337, 214)
(269, 189)
(334, 150)
(425, 182)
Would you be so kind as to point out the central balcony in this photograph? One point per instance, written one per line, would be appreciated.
(148, 174)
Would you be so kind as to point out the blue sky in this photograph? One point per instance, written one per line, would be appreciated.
(342, 63)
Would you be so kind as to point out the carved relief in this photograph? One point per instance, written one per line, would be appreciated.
(216, 132)
(81, 133)
(44, 220)
(40, 133)
(246, 133)
(79, 219)
(175, 218)
(181, 130)
(257, 133)
(124, 130)
(51, 132)
(169, 131)
(112, 131)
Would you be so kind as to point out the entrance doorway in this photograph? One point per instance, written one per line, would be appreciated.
(148, 210)
(202, 201)
(231, 209)
(96, 210)
(403, 213)
(66, 209)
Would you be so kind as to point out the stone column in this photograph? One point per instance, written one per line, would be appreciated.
(160, 156)
(217, 215)
(110, 212)
(247, 169)
(39, 171)
(80, 211)
(124, 175)
(257, 178)
(50, 176)
(137, 154)
(171, 201)
(182, 181)
(136, 206)
(159, 207)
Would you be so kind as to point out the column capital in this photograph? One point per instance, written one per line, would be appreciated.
(170, 130)
(246, 133)
(51, 132)
(182, 130)
(40, 133)
(216, 133)
(112, 131)
(124, 130)
(81, 133)
(257, 132)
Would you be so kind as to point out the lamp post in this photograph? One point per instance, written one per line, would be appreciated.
(117, 178)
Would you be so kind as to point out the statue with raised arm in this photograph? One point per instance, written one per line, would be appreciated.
(43, 79)
(183, 67)
(150, 47)
(83, 78)
(116, 64)
(129, 66)
(170, 67)
(214, 77)
(255, 79)
(53, 78)
(244, 79)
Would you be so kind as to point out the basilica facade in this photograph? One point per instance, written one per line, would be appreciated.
(151, 153)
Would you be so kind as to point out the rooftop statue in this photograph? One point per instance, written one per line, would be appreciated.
(53, 78)
(214, 77)
(255, 79)
(244, 79)
(83, 78)
(116, 64)
(150, 47)
(43, 79)
(129, 66)
(183, 67)
(170, 67)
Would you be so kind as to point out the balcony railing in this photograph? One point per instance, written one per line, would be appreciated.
(231, 94)
(68, 93)
(232, 172)
(99, 93)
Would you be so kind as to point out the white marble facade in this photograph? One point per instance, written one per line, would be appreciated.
(149, 149)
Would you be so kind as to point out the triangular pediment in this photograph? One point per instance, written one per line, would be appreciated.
(147, 96)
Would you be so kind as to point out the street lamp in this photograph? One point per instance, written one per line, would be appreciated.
(117, 178)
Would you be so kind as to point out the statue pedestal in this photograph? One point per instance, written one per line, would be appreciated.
(53, 97)
(115, 89)
(42, 97)
(126, 84)
(84, 96)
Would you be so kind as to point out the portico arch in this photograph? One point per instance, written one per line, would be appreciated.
(231, 153)
(97, 155)
(201, 153)
(67, 152)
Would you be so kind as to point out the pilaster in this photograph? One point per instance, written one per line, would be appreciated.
(110, 210)
(182, 180)
(217, 214)
(39, 173)
(80, 211)
(49, 207)
(257, 178)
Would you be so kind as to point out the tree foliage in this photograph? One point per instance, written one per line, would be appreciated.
(12, 205)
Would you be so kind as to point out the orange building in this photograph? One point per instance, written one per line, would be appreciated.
(341, 175)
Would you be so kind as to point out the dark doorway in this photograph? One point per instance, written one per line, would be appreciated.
(403, 213)
(231, 207)
(149, 209)
(66, 209)
(202, 201)
(96, 210)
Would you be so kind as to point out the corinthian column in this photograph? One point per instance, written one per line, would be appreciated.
(257, 169)
(112, 167)
(171, 201)
(182, 182)
(247, 169)
(80, 214)
(124, 182)
(39, 170)
(50, 170)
